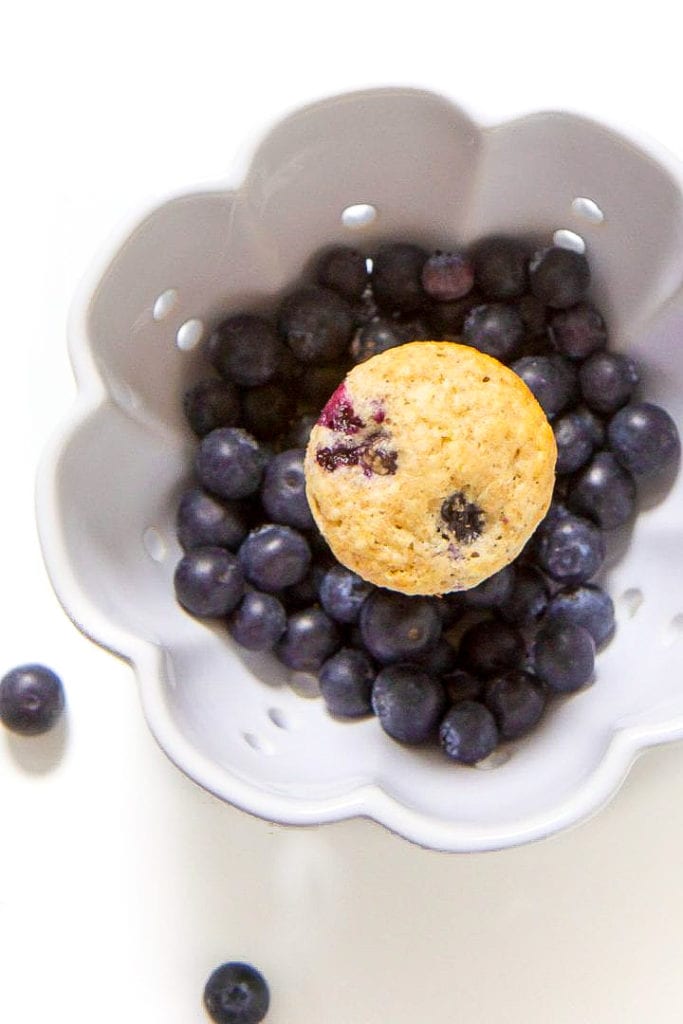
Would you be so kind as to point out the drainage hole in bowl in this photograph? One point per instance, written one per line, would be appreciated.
(189, 335)
(673, 630)
(497, 759)
(588, 209)
(631, 601)
(258, 744)
(164, 304)
(154, 544)
(360, 215)
(279, 718)
(569, 240)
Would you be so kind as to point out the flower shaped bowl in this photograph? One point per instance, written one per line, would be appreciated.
(361, 168)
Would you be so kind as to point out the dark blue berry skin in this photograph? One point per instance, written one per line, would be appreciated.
(528, 598)
(343, 270)
(468, 732)
(447, 276)
(495, 329)
(283, 491)
(551, 379)
(205, 521)
(451, 608)
(346, 683)
(559, 277)
(569, 548)
(267, 411)
(31, 699)
(574, 439)
(564, 657)
(377, 336)
(604, 491)
(500, 267)
(230, 463)
(274, 557)
(305, 592)
(246, 350)
(398, 628)
(438, 661)
(595, 427)
(608, 380)
(516, 701)
(588, 606)
(208, 582)
(490, 648)
(311, 637)
(494, 591)
(299, 434)
(343, 593)
(317, 324)
(236, 993)
(258, 622)
(644, 438)
(447, 319)
(578, 332)
(461, 685)
(408, 703)
(319, 383)
(210, 404)
(397, 277)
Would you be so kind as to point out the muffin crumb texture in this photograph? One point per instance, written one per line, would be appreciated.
(429, 468)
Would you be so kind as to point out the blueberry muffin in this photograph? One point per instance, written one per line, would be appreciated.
(429, 468)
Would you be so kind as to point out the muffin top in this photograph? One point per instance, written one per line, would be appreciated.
(429, 468)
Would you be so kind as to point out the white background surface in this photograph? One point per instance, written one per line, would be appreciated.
(121, 884)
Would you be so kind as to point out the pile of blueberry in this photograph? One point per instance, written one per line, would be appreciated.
(471, 669)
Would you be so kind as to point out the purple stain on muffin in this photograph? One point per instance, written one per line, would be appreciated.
(372, 455)
(462, 518)
(339, 413)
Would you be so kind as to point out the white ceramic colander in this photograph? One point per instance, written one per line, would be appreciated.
(360, 168)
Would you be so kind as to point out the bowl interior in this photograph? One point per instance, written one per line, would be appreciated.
(429, 174)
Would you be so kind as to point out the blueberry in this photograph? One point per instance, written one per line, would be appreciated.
(439, 660)
(396, 627)
(569, 548)
(528, 599)
(500, 267)
(343, 593)
(344, 271)
(608, 380)
(493, 591)
(462, 518)
(320, 383)
(468, 733)
(534, 316)
(377, 336)
(310, 639)
(208, 582)
(451, 608)
(299, 434)
(205, 521)
(283, 491)
(644, 438)
(564, 657)
(317, 324)
(258, 622)
(267, 411)
(559, 277)
(604, 491)
(236, 993)
(517, 702)
(305, 592)
(461, 685)
(210, 404)
(579, 331)
(490, 648)
(574, 438)
(274, 557)
(31, 699)
(495, 329)
(448, 318)
(397, 277)
(346, 683)
(246, 350)
(447, 276)
(230, 463)
(588, 606)
(408, 703)
(595, 427)
(551, 379)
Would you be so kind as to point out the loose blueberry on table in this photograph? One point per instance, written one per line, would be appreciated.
(236, 993)
(254, 557)
(31, 699)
